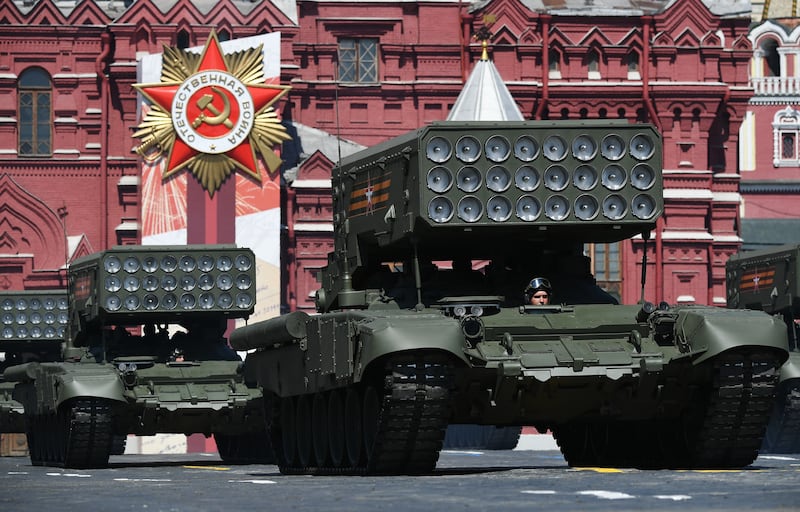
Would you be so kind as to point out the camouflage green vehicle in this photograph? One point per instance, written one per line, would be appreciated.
(146, 354)
(33, 327)
(769, 280)
(410, 339)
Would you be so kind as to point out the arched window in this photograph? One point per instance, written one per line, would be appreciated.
(786, 137)
(35, 93)
(771, 58)
(224, 35)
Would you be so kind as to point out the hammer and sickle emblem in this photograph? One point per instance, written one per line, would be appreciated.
(204, 103)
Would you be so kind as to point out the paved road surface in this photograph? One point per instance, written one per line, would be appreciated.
(463, 481)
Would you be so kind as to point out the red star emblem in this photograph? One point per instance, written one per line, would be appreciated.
(213, 112)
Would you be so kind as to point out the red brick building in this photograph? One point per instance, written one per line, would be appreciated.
(361, 72)
(770, 148)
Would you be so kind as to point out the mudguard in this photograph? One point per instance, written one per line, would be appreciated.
(395, 334)
(712, 331)
(43, 387)
(791, 368)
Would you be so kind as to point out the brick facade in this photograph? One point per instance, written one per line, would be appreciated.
(684, 69)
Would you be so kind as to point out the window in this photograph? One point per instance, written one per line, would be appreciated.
(771, 58)
(35, 113)
(593, 64)
(182, 40)
(788, 145)
(632, 61)
(358, 60)
(554, 64)
(606, 265)
(786, 134)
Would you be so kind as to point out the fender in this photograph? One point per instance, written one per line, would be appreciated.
(407, 331)
(43, 387)
(791, 368)
(709, 331)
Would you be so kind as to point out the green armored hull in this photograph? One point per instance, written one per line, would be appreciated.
(613, 390)
(11, 411)
(422, 320)
(32, 328)
(146, 354)
(81, 407)
(767, 280)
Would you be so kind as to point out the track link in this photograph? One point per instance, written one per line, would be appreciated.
(739, 405)
(78, 436)
(402, 435)
(723, 427)
(783, 431)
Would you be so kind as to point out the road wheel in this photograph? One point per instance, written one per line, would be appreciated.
(354, 437)
(336, 429)
(303, 426)
(35, 438)
(371, 413)
(319, 431)
(287, 430)
(249, 448)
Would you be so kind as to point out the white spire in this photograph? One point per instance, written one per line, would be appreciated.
(485, 97)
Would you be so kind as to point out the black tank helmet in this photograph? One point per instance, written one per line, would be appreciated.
(537, 284)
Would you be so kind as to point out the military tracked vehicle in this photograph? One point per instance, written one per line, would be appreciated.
(769, 280)
(146, 354)
(34, 325)
(411, 338)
